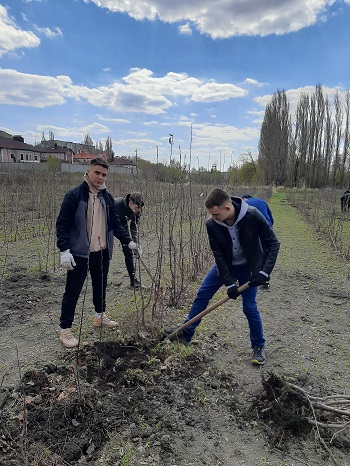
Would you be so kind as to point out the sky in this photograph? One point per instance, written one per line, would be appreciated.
(140, 71)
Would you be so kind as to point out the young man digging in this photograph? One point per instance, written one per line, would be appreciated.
(85, 228)
(129, 210)
(245, 248)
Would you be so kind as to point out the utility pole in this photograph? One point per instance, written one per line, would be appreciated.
(171, 142)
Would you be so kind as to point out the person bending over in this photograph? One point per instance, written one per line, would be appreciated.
(245, 248)
(129, 209)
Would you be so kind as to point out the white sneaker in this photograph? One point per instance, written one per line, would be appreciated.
(104, 322)
(67, 339)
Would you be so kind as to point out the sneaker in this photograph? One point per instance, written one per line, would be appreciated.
(67, 339)
(104, 322)
(258, 356)
(180, 337)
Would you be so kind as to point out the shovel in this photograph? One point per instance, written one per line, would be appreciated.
(203, 313)
(145, 267)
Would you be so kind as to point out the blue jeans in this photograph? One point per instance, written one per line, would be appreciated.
(211, 283)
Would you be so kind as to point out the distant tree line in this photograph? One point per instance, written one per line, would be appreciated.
(310, 148)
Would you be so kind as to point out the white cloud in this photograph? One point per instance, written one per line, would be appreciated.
(293, 95)
(253, 82)
(208, 134)
(215, 92)
(151, 123)
(140, 91)
(122, 121)
(227, 18)
(50, 33)
(33, 90)
(256, 112)
(75, 132)
(12, 37)
(185, 29)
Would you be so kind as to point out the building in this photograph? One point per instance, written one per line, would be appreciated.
(75, 147)
(85, 157)
(14, 150)
(125, 165)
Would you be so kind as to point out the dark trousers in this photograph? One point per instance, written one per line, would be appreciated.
(129, 262)
(98, 266)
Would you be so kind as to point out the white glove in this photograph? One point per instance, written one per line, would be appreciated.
(135, 247)
(67, 260)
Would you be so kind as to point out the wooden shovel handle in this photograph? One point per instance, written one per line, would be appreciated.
(203, 313)
(145, 267)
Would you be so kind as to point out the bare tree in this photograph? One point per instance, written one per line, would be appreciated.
(328, 149)
(89, 144)
(317, 110)
(338, 139)
(301, 139)
(345, 163)
(109, 148)
(274, 139)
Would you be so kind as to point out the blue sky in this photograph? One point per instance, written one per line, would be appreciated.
(138, 71)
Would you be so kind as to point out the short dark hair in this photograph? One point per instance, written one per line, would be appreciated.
(216, 198)
(136, 198)
(99, 161)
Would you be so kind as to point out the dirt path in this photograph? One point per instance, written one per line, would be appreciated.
(195, 405)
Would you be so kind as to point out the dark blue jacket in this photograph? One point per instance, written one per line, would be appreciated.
(262, 206)
(71, 228)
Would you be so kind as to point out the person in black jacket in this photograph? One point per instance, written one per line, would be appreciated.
(129, 209)
(245, 249)
(345, 200)
(85, 228)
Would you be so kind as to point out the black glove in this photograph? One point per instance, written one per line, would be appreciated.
(259, 279)
(232, 291)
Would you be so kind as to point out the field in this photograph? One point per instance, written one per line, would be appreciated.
(127, 399)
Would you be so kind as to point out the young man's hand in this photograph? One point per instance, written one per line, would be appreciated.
(232, 291)
(67, 260)
(135, 247)
(259, 279)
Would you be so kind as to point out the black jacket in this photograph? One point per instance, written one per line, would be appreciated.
(71, 228)
(259, 243)
(125, 214)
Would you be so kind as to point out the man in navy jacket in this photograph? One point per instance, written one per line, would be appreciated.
(85, 228)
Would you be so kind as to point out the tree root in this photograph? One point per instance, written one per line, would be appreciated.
(291, 410)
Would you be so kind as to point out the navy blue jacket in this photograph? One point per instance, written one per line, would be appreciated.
(259, 243)
(261, 205)
(71, 228)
